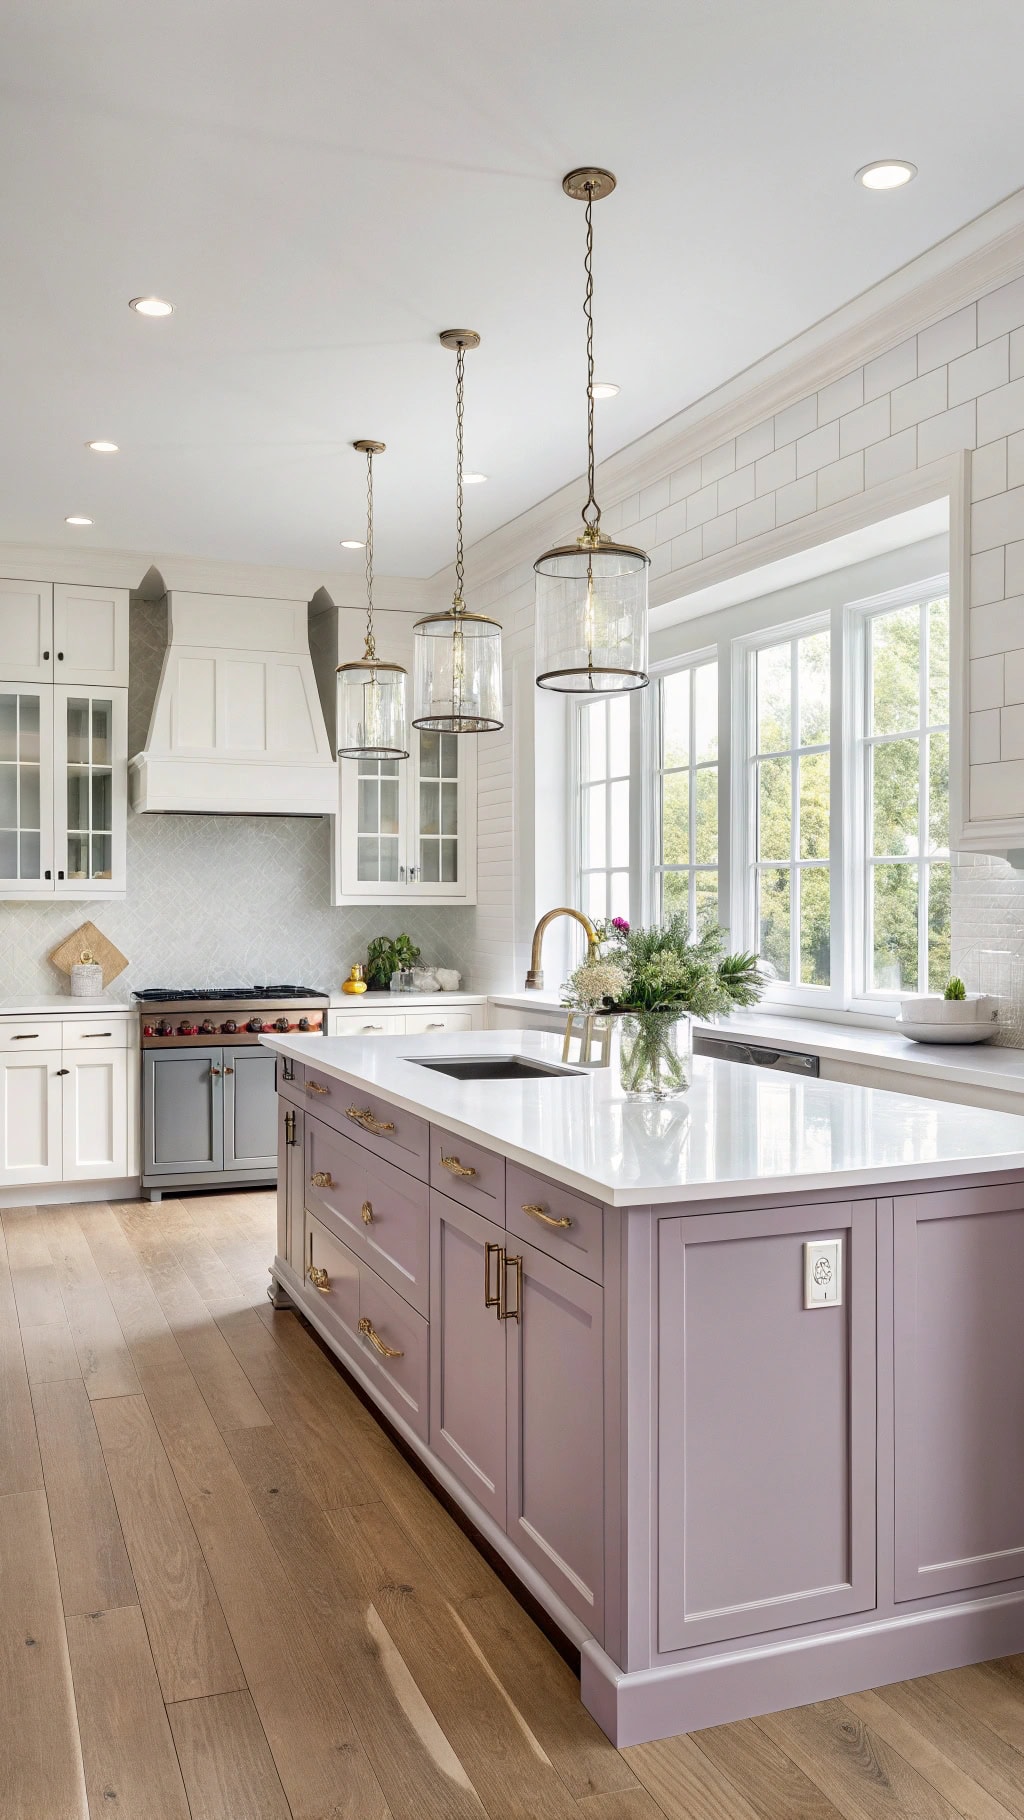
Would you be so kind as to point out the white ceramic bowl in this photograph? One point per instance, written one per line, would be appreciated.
(925, 1008)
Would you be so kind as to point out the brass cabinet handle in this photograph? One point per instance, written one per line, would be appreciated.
(367, 1120)
(315, 1087)
(548, 1219)
(229, 1071)
(386, 1352)
(287, 1069)
(367, 1212)
(452, 1163)
(492, 1301)
(214, 1070)
(289, 1128)
(322, 1179)
(319, 1279)
(505, 1313)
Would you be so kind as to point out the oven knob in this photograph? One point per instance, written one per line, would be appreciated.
(317, 1024)
(229, 1026)
(147, 1030)
(303, 1023)
(255, 1025)
(187, 1029)
(208, 1027)
(163, 1028)
(281, 1023)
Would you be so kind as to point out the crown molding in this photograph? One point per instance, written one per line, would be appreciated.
(977, 258)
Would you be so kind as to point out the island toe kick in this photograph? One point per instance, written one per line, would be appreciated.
(747, 1451)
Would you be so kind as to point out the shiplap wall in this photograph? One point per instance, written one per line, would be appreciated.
(957, 384)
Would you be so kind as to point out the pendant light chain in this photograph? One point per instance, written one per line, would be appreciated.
(591, 510)
(460, 411)
(371, 648)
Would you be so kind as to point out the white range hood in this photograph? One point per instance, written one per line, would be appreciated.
(237, 726)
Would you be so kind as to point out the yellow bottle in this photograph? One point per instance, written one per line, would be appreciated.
(355, 981)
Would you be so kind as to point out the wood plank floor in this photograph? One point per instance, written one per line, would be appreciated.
(224, 1594)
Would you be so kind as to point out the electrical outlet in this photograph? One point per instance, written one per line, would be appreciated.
(823, 1273)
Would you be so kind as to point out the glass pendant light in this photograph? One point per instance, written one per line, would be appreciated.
(457, 669)
(371, 693)
(591, 618)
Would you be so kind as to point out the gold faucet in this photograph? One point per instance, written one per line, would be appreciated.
(535, 977)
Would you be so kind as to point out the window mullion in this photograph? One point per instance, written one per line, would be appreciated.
(794, 812)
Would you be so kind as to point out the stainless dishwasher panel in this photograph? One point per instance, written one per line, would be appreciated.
(756, 1055)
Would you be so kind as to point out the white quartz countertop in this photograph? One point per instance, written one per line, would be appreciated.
(738, 1130)
(61, 1004)
(979, 1064)
(402, 1001)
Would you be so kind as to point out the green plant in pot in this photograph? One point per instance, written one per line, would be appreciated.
(656, 980)
(387, 955)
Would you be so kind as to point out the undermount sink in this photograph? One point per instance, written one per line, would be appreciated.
(492, 1068)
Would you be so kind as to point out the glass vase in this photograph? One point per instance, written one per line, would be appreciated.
(655, 1054)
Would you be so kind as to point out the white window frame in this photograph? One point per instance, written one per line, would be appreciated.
(858, 742)
(649, 809)
(578, 784)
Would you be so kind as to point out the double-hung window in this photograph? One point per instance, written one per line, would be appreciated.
(685, 785)
(602, 827)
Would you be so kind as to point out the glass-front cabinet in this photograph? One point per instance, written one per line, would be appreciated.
(63, 790)
(406, 828)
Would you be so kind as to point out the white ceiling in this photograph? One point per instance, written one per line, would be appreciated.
(320, 186)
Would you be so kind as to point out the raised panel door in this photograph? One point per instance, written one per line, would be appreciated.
(250, 1108)
(26, 631)
(30, 1118)
(467, 1353)
(766, 1424)
(555, 1503)
(183, 1129)
(90, 636)
(959, 1389)
(95, 1115)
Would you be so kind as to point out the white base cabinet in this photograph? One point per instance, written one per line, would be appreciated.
(69, 1101)
(95, 1115)
(31, 1121)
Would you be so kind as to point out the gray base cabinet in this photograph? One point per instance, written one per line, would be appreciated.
(209, 1116)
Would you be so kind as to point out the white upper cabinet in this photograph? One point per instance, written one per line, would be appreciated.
(26, 631)
(90, 801)
(52, 632)
(26, 790)
(90, 635)
(406, 828)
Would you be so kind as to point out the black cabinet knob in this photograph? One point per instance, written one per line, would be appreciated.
(46, 657)
(47, 873)
(60, 875)
(60, 657)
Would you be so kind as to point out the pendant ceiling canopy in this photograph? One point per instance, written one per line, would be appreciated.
(591, 599)
(371, 693)
(457, 666)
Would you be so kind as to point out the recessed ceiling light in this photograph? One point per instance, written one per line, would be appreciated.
(352, 543)
(603, 388)
(102, 448)
(77, 519)
(886, 174)
(473, 480)
(150, 306)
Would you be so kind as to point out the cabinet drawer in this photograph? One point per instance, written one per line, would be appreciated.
(468, 1173)
(426, 1023)
(291, 1080)
(376, 1324)
(95, 1033)
(378, 1210)
(362, 1116)
(366, 1023)
(39, 1033)
(555, 1220)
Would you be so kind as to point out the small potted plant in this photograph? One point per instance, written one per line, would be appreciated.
(387, 955)
(956, 1006)
(656, 981)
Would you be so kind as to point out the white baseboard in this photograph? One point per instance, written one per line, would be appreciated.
(57, 1194)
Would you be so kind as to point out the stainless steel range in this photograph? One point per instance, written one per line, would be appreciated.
(209, 1106)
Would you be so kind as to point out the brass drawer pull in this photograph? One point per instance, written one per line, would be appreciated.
(386, 1352)
(315, 1087)
(548, 1219)
(452, 1163)
(322, 1179)
(289, 1128)
(367, 1212)
(492, 1301)
(505, 1313)
(316, 1273)
(367, 1120)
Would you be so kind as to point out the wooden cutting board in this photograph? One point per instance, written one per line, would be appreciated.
(89, 940)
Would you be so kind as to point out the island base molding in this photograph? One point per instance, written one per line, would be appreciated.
(634, 1708)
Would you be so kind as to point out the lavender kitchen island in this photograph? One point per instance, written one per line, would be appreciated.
(735, 1383)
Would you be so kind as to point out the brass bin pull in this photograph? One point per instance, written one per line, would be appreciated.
(315, 1087)
(316, 1273)
(386, 1352)
(367, 1212)
(505, 1313)
(492, 1301)
(452, 1163)
(548, 1219)
(367, 1120)
(322, 1179)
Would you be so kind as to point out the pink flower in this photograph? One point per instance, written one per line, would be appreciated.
(620, 923)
